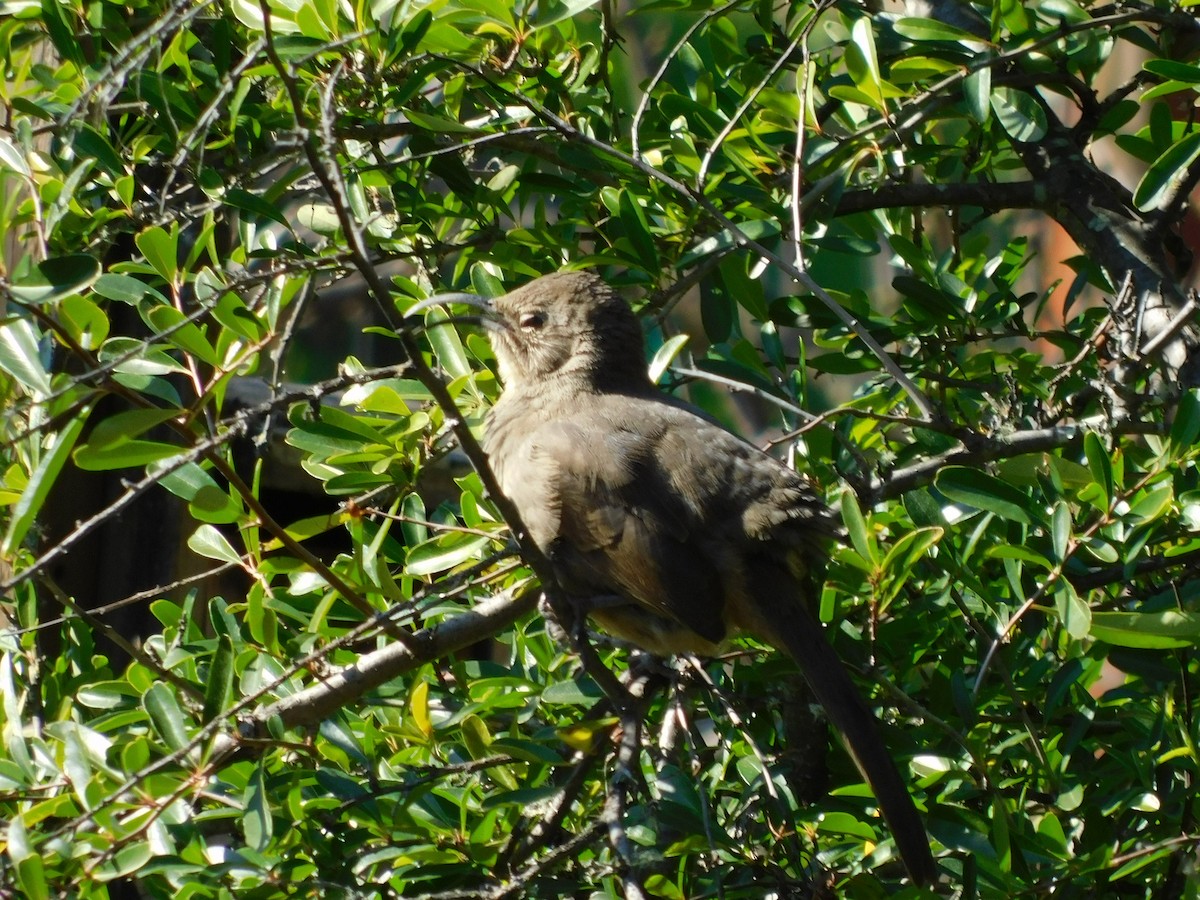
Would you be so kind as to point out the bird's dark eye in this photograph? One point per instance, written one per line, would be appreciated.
(533, 320)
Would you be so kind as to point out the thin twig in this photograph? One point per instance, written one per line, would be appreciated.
(635, 126)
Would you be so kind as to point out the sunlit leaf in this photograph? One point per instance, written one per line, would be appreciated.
(42, 481)
(20, 355)
(666, 355)
(1167, 173)
(219, 687)
(931, 29)
(444, 552)
(257, 821)
(207, 541)
(1073, 611)
(980, 490)
(12, 158)
(161, 249)
(1164, 630)
(164, 711)
(1020, 114)
(56, 278)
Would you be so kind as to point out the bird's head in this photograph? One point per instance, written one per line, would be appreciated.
(570, 325)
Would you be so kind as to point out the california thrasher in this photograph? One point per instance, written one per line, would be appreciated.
(670, 531)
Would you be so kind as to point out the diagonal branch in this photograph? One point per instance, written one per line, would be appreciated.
(332, 692)
(321, 156)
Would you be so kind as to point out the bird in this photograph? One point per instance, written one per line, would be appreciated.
(671, 532)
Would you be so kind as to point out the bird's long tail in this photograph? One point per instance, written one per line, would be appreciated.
(792, 628)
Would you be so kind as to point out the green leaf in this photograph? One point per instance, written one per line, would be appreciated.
(911, 547)
(922, 29)
(576, 692)
(122, 426)
(1063, 11)
(1153, 504)
(850, 94)
(1174, 70)
(76, 765)
(1185, 427)
(900, 559)
(57, 277)
(166, 716)
(665, 355)
(438, 124)
(636, 228)
(856, 527)
(20, 356)
(126, 861)
(207, 502)
(114, 443)
(84, 321)
(185, 335)
(209, 542)
(977, 89)
(13, 159)
(126, 455)
(845, 824)
(476, 737)
(717, 316)
(43, 479)
(446, 344)
(319, 217)
(138, 358)
(444, 552)
(1024, 554)
(255, 206)
(90, 143)
(414, 30)
(1060, 530)
(219, 687)
(555, 11)
(1167, 173)
(18, 840)
(231, 312)
(31, 876)
(923, 509)
(915, 69)
(862, 62)
(979, 490)
(1020, 114)
(752, 229)
(258, 825)
(1099, 465)
(1073, 611)
(161, 251)
(1164, 630)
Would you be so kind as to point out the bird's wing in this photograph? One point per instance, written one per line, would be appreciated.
(616, 523)
(731, 481)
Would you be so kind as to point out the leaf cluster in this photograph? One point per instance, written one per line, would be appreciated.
(829, 218)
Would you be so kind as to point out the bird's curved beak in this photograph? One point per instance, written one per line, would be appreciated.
(487, 312)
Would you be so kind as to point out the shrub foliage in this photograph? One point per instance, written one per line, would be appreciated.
(312, 664)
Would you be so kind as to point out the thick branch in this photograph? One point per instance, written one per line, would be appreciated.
(323, 699)
(1036, 440)
(990, 197)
